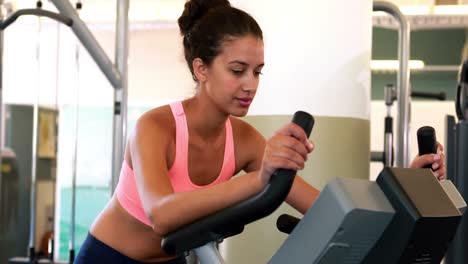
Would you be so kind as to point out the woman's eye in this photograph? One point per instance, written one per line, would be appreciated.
(258, 73)
(237, 72)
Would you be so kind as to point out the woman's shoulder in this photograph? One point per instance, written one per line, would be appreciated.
(154, 129)
(159, 118)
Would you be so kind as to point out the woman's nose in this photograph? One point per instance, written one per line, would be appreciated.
(251, 84)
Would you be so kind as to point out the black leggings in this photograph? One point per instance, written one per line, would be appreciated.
(94, 251)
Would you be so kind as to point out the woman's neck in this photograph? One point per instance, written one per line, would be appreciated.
(204, 117)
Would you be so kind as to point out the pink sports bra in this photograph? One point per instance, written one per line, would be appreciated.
(127, 192)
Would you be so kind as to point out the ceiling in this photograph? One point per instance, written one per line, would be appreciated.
(170, 10)
(105, 10)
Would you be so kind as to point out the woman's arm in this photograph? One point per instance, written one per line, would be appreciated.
(167, 210)
(302, 194)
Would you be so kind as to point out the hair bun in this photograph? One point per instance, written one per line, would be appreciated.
(194, 10)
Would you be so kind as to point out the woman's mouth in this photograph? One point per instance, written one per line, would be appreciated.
(245, 102)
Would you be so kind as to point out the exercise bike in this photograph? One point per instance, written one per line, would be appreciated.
(405, 216)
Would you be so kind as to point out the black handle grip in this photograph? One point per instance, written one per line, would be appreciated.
(461, 103)
(426, 141)
(286, 223)
(304, 120)
(232, 219)
(441, 96)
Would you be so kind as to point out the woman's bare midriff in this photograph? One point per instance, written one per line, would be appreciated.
(124, 233)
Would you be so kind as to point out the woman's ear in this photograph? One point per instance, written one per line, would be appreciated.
(199, 69)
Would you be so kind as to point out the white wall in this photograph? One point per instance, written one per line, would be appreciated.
(317, 56)
(157, 68)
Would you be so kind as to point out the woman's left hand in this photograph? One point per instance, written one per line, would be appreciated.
(437, 161)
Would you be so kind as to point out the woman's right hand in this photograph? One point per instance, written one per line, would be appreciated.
(286, 149)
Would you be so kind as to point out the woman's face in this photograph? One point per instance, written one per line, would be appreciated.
(234, 75)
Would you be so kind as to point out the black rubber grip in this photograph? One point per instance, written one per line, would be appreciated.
(438, 96)
(426, 141)
(286, 223)
(388, 124)
(31, 254)
(71, 256)
(304, 120)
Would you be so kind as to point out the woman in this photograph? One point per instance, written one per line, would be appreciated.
(180, 157)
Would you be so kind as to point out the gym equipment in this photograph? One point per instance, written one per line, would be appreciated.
(201, 235)
(392, 220)
(71, 255)
(387, 156)
(31, 248)
(457, 167)
(461, 105)
(403, 86)
(406, 216)
(117, 75)
(426, 141)
(9, 193)
(3, 25)
(51, 239)
(35, 12)
(403, 93)
(419, 232)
